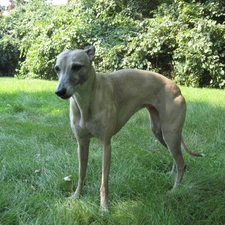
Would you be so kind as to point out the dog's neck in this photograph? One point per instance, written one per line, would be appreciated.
(84, 94)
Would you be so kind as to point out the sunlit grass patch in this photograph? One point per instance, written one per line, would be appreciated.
(38, 150)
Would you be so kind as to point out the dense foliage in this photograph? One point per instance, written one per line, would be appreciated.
(184, 40)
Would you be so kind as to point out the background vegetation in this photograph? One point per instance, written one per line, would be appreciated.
(38, 149)
(184, 40)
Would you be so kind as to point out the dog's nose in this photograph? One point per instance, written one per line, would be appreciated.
(61, 92)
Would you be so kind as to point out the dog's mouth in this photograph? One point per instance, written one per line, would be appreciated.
(62, 93)
(64, 97)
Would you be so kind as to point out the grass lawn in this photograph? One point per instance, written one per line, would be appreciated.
(37, 150)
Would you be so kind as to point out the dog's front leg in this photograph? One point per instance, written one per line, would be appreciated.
(83, 150)
(106, 160)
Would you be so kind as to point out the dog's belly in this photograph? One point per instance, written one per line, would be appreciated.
(124, 117)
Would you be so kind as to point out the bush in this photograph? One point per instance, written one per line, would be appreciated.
(199, 59)
(9, 55)
(184, 40)
(75, 29)
(9, 43)
(153, 47)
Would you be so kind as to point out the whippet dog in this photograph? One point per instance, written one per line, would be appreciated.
(101, 104)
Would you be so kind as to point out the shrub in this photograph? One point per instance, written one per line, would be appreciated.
(9, 55)
(185, 40)
(75, 29)
(199, 59)
(153, 47)
(10, 42)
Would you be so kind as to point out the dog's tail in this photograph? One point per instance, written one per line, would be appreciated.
(188, 151)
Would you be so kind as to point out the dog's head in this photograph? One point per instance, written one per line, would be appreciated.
(72, 68)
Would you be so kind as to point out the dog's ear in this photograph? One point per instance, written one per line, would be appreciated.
(90, 50)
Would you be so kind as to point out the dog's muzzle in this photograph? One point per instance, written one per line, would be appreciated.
(61, 93)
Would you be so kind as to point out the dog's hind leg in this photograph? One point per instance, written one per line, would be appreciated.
(156, 124)
(173, 141)
(157, 130)
(83, 150)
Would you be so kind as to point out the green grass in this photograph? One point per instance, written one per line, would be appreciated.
(35, 135)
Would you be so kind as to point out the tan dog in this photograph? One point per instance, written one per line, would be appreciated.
(100, 105)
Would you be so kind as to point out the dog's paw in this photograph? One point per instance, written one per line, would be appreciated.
(104, 211)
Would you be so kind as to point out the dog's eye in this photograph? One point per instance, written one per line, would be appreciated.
(57, 69)
(76, 67)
